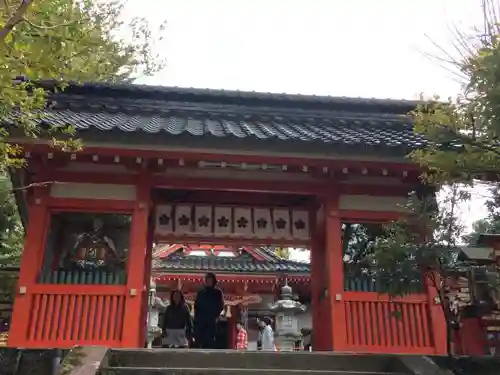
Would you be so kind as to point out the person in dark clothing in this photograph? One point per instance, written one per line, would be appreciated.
(177, 323)
(259, 337)
(208, 306)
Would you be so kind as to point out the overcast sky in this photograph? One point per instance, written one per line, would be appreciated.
(360, 48)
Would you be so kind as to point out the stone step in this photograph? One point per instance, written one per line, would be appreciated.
(220, 359)
(224, 371)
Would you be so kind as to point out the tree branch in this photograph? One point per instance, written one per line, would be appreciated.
(479, 145)
(30, 186)
(6, 5)
(472, 142)
(449, 229)
(44, 27)
(16, 18)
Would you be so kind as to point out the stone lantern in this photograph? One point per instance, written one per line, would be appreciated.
(287, 323)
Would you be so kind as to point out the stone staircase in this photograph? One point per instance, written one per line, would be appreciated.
(217, 362)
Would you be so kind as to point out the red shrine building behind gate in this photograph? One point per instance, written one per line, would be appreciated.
(250, 278)
(187, 166)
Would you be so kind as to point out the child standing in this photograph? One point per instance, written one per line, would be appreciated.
(242, 338)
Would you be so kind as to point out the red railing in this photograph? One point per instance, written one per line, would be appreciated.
(377, 324)
(65, 315)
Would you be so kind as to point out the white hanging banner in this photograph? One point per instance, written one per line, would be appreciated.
(237, 222)
(164, 223)
(183, 219)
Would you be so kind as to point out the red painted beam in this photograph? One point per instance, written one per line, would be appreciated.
(376, 190)
(210, 239)
(231, 198)
(299, 188)
(88, 177)
(78, 289)
(216, 155)
(90, 205)
(320, 188)
(160, 276)
(352, 216)
(376, 297)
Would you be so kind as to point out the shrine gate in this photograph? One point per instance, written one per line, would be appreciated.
(203, 166)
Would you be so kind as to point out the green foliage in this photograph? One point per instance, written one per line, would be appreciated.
(63, 41)
(11, 229)
(490, 224)
(423, 245)
(463, 145)
(464, 133)
(483, 226)
(420, 245)
(282, 252)
(358, 243)
(59, 41)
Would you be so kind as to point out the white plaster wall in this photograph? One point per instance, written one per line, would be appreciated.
(370, 203)
(93, 191)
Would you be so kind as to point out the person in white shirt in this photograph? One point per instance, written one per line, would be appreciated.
(267, 335)
(156, 305)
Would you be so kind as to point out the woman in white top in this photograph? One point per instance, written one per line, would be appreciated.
(267, 335)
(155, 306)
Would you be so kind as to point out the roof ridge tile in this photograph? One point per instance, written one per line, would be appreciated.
(162, 115)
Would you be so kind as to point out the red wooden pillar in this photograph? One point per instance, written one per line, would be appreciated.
(317, 280)
(320, 309)
(31, 260)
(438, 322)
(133, 325)
(231, 328)
(335, 273)
(471, 338)
(147, 277)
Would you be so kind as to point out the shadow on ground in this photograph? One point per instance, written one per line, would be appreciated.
(471, 365)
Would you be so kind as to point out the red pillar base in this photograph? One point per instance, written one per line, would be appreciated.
(471, 338)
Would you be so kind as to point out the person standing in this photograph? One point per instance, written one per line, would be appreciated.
(259, 336)
(208, 306)
(267, 335)
(177, 324)
(156, 306)
(242, 338)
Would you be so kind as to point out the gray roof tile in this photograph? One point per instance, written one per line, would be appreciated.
(177, 261)
(167, 113)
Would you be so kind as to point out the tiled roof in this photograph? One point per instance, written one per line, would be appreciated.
(165, 114)
(477, 253)
(244, 263)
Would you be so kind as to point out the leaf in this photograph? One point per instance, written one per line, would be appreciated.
(60, 41)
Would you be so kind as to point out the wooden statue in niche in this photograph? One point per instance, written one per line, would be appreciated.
(94, 250)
